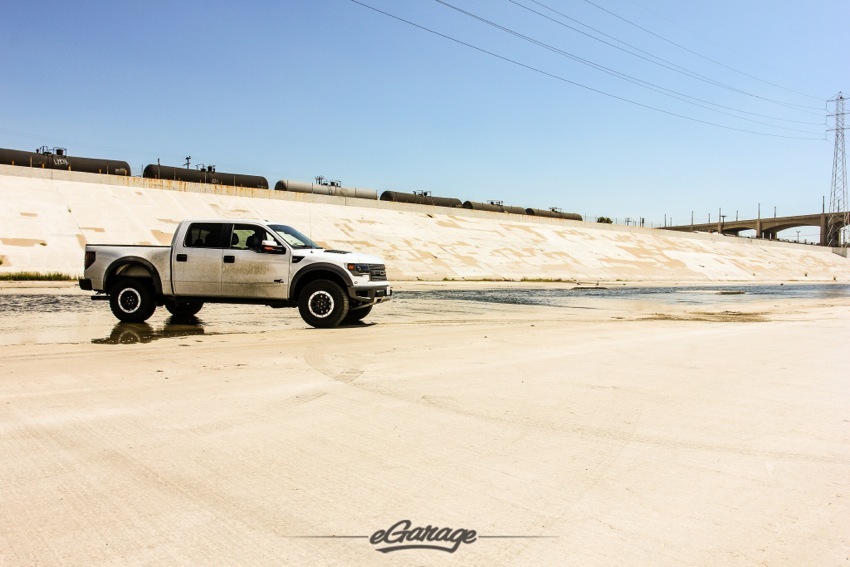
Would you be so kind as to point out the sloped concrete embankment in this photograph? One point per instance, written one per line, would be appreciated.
(47, 217)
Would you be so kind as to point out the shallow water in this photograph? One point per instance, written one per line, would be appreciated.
(58, 319)
(702, 295)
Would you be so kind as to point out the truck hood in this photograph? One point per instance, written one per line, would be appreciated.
(338, 256)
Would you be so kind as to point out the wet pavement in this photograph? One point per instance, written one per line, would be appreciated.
(51, 319)
(696, 295)
(58, 319)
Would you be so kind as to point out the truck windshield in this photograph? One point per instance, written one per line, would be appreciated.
(293, 237)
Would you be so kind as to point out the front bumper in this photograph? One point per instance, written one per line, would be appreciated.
(371, 294)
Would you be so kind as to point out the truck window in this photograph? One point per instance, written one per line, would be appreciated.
(293, 237)
(248, 237)
(204, 235)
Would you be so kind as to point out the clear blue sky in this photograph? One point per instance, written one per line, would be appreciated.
(294, 89)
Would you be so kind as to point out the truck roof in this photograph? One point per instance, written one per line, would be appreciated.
(229, 220)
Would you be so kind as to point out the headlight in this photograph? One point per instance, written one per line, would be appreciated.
(358, 269)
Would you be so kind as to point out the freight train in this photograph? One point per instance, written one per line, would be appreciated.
(58, 158)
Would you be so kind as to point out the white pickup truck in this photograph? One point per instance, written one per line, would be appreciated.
(236, 261)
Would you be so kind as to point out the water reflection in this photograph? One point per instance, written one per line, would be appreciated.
(690, 295)
(132, 333)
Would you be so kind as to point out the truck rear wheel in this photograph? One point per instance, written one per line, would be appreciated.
(323, 304)
(131, 300)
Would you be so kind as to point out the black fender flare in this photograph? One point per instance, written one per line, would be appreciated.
(108, 278)
(296, 283)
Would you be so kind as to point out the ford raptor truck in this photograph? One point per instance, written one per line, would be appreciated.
(236, 261)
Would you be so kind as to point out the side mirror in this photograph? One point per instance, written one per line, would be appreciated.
(271, 247)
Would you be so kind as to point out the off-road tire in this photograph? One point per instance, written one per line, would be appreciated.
(131, 300)
(323, 304)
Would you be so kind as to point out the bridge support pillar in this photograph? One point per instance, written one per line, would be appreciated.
(823, 229)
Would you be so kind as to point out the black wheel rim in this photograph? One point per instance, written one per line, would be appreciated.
(129, 300)
(320, 304)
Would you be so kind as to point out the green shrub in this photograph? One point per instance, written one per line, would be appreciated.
(36, 276)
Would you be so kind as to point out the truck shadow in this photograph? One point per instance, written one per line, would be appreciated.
(356, 325)
(133, 333)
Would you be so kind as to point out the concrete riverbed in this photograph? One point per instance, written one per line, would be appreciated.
(602, 429)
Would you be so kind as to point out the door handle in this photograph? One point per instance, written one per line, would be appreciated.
(230, 259)
(182, 258)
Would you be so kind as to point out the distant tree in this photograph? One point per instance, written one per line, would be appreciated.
(605, 220)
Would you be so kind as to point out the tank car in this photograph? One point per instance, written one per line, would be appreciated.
(554, 214)
(204, 175)
(420, 199)
(325, 189)
(494, 207)
(58, 158)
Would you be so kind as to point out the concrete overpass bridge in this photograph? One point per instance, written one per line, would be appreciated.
(765, 228)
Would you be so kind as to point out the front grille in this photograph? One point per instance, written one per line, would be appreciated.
(377, 273)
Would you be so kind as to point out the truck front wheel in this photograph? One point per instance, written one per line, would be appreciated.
(323, 304)
(131, 300)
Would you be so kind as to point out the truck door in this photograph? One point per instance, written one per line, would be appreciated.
(196, 264)
(250, 272)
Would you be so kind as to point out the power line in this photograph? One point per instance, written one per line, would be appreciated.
(660, 61)
(634, 80)
(691, 51)
(717, 43)
(665, 63)
(571, 82)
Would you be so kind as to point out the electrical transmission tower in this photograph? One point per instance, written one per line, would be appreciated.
(839, 216)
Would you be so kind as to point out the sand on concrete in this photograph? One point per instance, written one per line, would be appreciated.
(621, 433)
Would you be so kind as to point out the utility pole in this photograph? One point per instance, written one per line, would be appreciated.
(839, 217)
